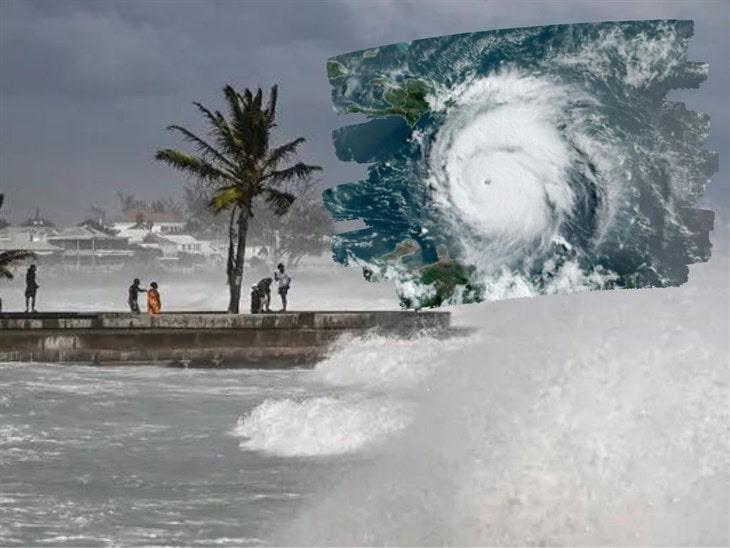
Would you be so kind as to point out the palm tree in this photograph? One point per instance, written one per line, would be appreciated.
(12, 256)
(239, 165)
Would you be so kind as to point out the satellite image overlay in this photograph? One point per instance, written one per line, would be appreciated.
(519, 162)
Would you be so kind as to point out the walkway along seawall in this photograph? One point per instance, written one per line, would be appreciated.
(292, 339)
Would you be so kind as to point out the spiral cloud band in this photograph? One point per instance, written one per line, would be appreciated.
(524, 162)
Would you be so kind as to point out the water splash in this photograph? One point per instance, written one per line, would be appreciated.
(368, 383)
(319, 426)
(567, 420)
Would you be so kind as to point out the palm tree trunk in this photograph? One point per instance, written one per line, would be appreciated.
(236, 256)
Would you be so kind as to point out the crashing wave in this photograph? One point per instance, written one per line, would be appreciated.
(366, 383)
(524, 162)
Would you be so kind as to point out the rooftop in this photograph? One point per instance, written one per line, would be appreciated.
(83, 233)
(16, 237)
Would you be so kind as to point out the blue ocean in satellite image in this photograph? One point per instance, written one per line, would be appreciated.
(521, 162)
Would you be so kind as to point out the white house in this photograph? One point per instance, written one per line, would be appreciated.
(28, 238)
(185, 243)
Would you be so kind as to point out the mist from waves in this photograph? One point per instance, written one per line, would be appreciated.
(318, 284)
(594, 418)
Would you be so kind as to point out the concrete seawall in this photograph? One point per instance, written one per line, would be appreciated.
(293, 339)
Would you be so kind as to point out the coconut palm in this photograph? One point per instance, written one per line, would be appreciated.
(239, 165)
(11, 257)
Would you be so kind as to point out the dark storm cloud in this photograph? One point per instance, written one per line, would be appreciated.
(86, 88)
(86, 54)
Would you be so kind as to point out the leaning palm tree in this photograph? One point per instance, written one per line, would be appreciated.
(11, 257)
(239, 165)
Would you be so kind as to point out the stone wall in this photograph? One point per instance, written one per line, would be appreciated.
(193, 339)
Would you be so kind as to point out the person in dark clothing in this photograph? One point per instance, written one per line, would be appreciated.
(261, 296)
(134, 291)
(31, 288)
(264, 288)
(255, 299)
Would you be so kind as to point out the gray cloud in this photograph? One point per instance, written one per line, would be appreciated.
(87, 88)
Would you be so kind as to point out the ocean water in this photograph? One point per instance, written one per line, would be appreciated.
(591, 418)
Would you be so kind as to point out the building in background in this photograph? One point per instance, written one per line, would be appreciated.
(84, 247)
(23, 237)
(149, 221)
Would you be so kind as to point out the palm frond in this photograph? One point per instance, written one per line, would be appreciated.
(247, 98)
(235, 109)
(226, 197)
(297, 171)
(248, 123)
(198, 167)
(283, 152)
(10, 258)
(257, 100)
(271, 105)
(279, 201)
(221, 130)
(203, 147)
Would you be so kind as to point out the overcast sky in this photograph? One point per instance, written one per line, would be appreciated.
(87, 88)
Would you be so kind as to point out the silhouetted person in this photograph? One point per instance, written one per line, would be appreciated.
(261, 296)
(284, 284)
(134, 291)
(154, 303)
(31, 288)
(255, 299)
(265, 291)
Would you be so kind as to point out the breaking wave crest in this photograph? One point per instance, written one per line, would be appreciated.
(319, 426)
(367, 383)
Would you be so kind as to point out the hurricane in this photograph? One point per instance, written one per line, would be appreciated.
(522, 162)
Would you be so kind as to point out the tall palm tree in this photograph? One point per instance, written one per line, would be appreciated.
(12, 256)
(239, 165)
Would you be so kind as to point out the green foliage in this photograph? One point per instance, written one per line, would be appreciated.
(8, 259)
(335, 70)
(445, 277)
(408, 101)
(238, 164)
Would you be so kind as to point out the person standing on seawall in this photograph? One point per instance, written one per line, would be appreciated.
(284, 283)
(154, 303)
(134, 291)
(31, 288)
